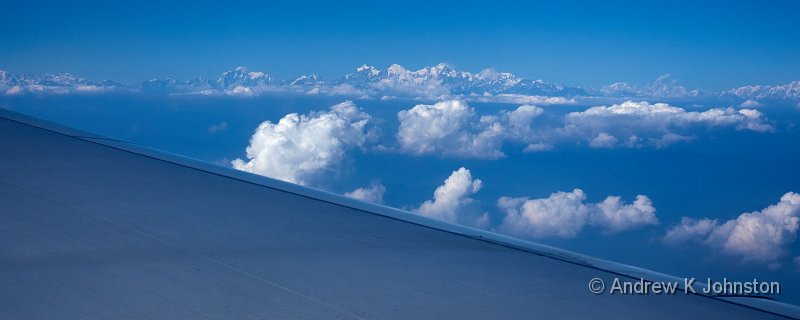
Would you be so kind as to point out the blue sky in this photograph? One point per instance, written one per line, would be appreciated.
(712, 45)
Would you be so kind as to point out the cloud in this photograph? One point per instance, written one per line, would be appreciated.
(614, 216)
(299, 148)
(603, 140)
(521, 99)
(337, 90)
(489, 74)
(662, 116)
(453, 128)
(759, 236)
(562, 214)
(665, 86)
(256, 75)
(656, 124)
(451, 199)
(537, 147)
(373, 193)
(668, 139)
(241, 91)
(751, 104)
(214, 128)
(565, 214)
(14, 90)
(88, 88)
(689, 229)
(448, 128)
(518, 122)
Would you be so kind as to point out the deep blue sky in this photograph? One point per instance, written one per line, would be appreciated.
(714, 45)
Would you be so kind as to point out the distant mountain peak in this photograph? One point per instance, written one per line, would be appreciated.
(305, 80)
(367, 68)
(240, 76)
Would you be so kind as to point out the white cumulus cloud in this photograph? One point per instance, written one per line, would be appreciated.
(448, 128)
(603, 140)
(451, 199)
(614, 216)
(299, 148)
(373, 193)
(453, 128)
(517, 123)
(689, 229)
(565, 214)
(759, 236)
(562, 214)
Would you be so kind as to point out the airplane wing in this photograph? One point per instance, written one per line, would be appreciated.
(97, 228)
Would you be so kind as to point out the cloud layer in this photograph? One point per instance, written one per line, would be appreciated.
(299, 148)
(759, 236)
(636, 124)
(565, 214)
(454, 129)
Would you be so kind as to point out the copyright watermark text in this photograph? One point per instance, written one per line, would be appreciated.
(708, 286)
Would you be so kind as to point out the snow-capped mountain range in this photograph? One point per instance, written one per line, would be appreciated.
(51, 82)
(444, 78)
(787, 91)
(395, 81)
